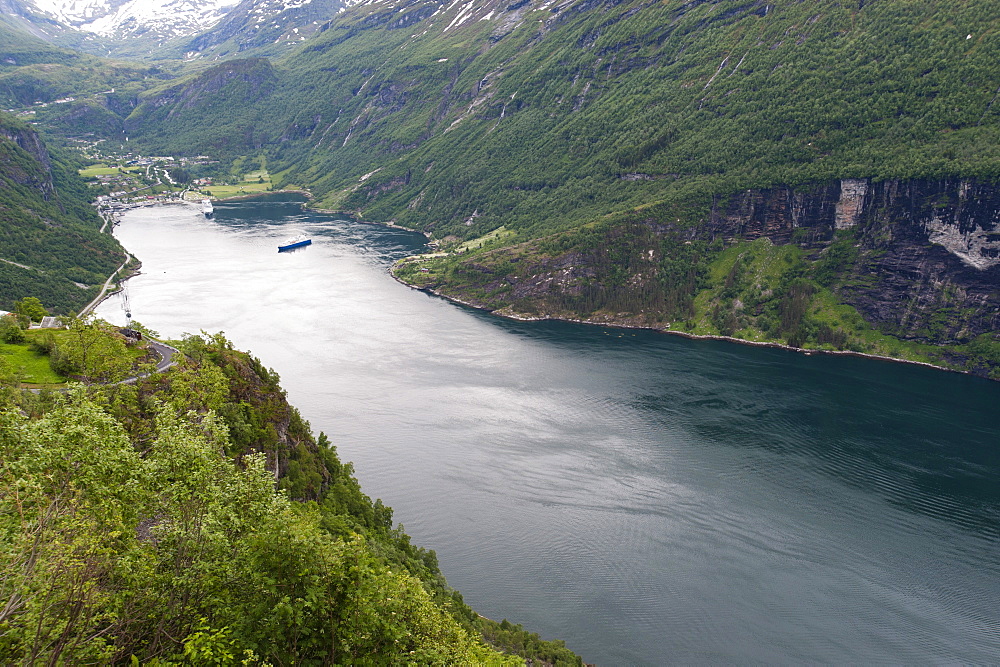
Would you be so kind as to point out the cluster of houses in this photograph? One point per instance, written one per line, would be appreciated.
(145, 161)
(118, 200)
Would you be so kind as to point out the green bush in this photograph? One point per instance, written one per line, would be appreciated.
(10, 330)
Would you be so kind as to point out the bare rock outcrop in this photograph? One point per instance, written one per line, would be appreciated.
(929, 261)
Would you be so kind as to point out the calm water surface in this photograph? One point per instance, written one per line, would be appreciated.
(649, 499)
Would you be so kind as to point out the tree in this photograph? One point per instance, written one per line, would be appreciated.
(180, 553)
(93, 350)
(30, 308)
(10, 329)
(180, 175)
(67, 495)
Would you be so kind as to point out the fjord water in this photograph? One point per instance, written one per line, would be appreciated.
(649, 499)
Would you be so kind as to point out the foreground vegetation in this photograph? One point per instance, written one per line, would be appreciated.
(144, 522)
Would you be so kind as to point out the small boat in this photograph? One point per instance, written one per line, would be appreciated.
(295, 242)
(207, 208)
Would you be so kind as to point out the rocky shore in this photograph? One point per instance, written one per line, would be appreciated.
(509, 314)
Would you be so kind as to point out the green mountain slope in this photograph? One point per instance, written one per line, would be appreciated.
(94, 94)
(566, 125)
(50, 243)
(17, 47)
(208, 112)
(527, 105)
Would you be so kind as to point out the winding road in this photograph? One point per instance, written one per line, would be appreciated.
(166, 353)
(107, 285)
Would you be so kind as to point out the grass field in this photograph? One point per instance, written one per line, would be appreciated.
(32, 366)
(253, 183)
(104, 170)
(224, 191)
(497, 234)
(98, 170)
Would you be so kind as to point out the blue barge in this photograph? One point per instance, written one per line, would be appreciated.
(297, 242)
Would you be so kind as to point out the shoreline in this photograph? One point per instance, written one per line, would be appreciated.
(108, 293)
(353, 216)
(690, 336)
(253, 195)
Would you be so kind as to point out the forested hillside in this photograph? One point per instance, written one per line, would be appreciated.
(50, 241)
(192, 518)
(531, 113)
(534, 136)
(206, 113)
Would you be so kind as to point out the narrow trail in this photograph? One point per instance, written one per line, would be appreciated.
(23, 266)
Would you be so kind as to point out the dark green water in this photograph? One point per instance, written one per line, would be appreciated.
(649, 499)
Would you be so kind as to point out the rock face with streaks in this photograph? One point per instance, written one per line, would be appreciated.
(929, 266)
(36, 174)
(851, 203)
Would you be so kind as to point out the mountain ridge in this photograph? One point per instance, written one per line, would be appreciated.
(166, 30)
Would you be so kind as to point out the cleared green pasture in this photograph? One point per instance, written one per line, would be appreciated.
(104, 170)
(32, 367)
(224, 191)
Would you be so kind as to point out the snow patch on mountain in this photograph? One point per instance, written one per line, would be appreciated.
(125, 18)
(168, 18)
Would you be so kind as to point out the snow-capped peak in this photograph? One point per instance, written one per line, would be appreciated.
(122, 18)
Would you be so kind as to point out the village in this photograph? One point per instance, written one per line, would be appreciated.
(121, 181)
(125, 180)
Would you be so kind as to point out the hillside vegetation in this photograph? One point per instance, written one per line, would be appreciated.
(100, 92)
(50, 241)
(192, 518)
(646, 132)
(534, 114)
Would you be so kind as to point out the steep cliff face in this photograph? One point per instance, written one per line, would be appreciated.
(929, 260)
(36, 173)
(908, 269)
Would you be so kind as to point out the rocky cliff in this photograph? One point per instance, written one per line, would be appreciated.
(888, 267)
(36, 172)
(929, 260)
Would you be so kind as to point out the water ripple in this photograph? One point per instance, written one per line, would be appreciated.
(649, 499)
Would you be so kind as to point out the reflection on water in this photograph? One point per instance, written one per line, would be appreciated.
(650, 499)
